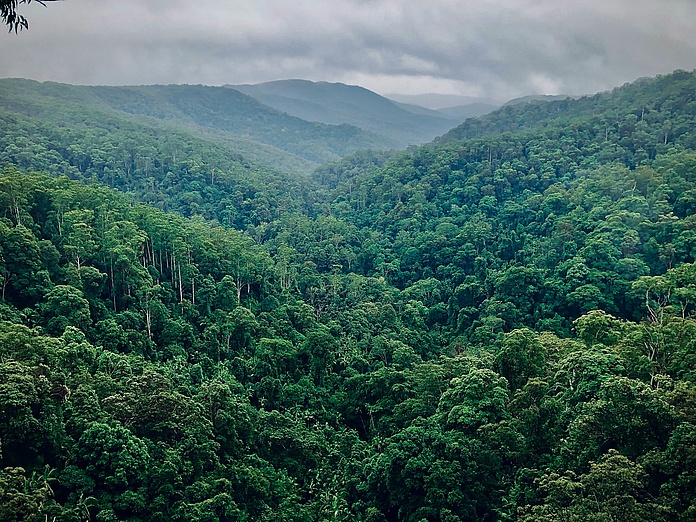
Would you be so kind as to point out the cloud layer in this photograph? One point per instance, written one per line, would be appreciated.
(489, 48)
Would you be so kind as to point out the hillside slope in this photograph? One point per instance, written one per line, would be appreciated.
(337, 103)
(469, 211)
(169, 166)
(649, 99)
(213, 113)
(491, 328)
(471, 110)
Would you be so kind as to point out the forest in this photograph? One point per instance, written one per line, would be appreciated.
(497, 325)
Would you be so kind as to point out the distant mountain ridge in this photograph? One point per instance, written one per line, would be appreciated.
(649, 98)
(289, 125)
(536, 98)
(470, 110)
(338, 103)
(437, 101)
(241, 122)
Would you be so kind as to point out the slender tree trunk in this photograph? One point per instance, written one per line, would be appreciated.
(181, 286)
(148, 321)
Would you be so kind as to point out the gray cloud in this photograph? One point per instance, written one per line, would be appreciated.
(493, 48)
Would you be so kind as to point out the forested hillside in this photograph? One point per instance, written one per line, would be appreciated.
(337, 103)
(168, 167)
(221, 116)
(496, 326)
(648, 105)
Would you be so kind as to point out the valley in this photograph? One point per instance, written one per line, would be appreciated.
(302, 301)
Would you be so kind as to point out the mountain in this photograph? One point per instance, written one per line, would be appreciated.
(498, 325)
(536, 98)
(214, 113)
(174, 161)
(437, 101)
(458, 113)
(337, 103)
(640, 104)
(417, 109)
(471, 110)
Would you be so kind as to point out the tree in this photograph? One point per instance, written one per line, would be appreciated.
(473, 400)
(117, 464)
(521, 358)
(614, 488)
(25, 498)
(10, 16)
(65, 306)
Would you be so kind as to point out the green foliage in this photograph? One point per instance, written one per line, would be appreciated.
(25, 498)
(615, 488)
(496, 328)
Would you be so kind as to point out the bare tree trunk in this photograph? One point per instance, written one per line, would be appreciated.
(148, 321)
(181, 286)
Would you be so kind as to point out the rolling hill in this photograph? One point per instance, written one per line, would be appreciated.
(498, 325)
(240, 122)
(337, 103)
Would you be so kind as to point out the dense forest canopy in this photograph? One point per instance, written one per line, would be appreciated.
(495, 326)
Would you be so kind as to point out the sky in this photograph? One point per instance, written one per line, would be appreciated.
(490, 49)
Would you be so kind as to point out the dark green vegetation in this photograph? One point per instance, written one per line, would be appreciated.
(498, 326)
(338, 103)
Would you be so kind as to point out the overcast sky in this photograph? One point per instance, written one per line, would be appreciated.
(496, 49)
